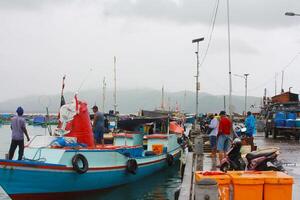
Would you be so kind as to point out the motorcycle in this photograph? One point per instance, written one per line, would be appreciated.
(262, 160)
(240, 130)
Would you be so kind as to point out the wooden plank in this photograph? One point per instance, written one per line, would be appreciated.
(186, 185)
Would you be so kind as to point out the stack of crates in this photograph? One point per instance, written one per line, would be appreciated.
(254, 185)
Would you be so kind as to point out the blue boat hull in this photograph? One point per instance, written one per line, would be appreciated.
(36, 182)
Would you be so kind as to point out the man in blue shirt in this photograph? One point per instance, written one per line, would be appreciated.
(18, 128)
(250, 124)
(98, 125)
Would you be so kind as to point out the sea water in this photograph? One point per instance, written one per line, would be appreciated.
(159, 186)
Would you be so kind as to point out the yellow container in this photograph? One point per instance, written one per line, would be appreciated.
(157, 148)
(222, 179)
(247, 185)
(278, 185)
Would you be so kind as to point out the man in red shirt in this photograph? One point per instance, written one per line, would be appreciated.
(223, 142)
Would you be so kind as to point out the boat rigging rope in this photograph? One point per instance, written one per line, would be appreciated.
(211, 30)
(84, 80)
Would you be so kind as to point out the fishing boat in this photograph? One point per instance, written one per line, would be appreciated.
(71, 163)
(41, 120)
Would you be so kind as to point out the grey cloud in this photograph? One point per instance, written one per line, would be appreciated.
(238, 46)
(250, 13)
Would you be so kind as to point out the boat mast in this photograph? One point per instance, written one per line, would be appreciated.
(229, 62)
(115, 86)
(103, 94)
(162, 105)
(282, 77)
(184, 101)
(275, 84)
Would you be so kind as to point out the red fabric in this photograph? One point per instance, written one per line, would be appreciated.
(80, 127)
(211, 173)
(224, 126)
(174, 127)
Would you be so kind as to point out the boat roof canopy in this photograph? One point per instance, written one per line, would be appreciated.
(134, 123)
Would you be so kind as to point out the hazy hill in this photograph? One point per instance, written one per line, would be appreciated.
(130, 101)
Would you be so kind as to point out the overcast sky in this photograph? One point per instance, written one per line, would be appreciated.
(42, 40)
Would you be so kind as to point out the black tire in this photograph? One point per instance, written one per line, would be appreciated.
(224, 167)
(272, 168)
(170, 159)
(274, 133)
(266, 132)
(75, 162)
(297, 137)
(131, 166)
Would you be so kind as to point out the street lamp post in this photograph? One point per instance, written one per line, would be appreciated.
(245, 77)
(197, 76)
(291, 14)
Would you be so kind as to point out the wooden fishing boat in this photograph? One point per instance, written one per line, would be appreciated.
(71, 163)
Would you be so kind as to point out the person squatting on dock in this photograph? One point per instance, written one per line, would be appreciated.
(250, 125)
(98, 125)
(18, 127)
(214, 128)
(223, 138)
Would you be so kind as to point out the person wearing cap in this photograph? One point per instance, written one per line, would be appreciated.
(98, 125)
(223, 141)
(18, 128)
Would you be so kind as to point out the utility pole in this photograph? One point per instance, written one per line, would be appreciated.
(103, 94)
(197, 76)
(115, 85)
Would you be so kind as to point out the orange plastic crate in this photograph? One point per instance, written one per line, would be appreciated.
(247, 185)
(222, 179)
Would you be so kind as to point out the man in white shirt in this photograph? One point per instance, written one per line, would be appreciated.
(214, 126)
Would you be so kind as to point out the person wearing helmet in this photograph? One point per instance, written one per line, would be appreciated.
(18, 128)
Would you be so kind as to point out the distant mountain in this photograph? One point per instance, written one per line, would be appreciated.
(131, 101)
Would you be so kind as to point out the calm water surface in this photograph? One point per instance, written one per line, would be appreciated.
(159, 186)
